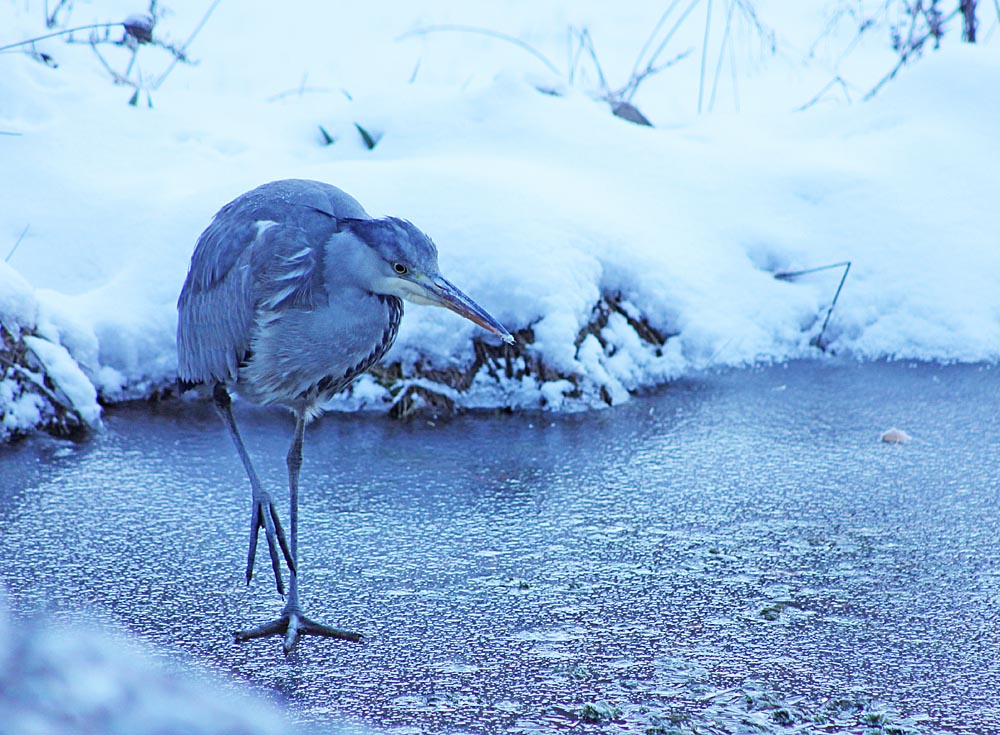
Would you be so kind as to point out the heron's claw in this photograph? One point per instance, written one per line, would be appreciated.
(293, 625)
(265, 515)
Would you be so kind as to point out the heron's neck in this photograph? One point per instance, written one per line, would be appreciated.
(350, 265)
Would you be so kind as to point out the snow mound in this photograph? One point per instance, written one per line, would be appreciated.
(41, 385)
(620, 255)
(61, 680)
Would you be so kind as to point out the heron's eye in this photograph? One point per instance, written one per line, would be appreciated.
(400, 268)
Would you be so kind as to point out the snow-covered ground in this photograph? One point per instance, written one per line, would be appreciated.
(65, 678)
(593, 238)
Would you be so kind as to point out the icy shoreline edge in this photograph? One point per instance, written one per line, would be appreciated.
(44, 388)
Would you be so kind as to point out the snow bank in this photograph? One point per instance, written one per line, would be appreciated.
(64, 680)
(622, 256)
(41, 385)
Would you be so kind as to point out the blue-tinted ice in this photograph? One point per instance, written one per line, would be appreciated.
(737, 553)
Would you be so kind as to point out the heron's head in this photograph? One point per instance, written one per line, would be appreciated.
(407, 267)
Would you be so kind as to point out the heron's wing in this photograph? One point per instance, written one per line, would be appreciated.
(262, 250)
(286, 266)
(243, 270)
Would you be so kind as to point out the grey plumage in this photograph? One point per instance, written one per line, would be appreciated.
(293, 291)
(255, 295)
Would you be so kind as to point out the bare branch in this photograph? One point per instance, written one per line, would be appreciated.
(722, 53)
(912, 47)
(969, 22)
(118, 78)
(633, 84)
(483, 32)
(181, 53)
(819, 95)
(652, 35)
(58, 33)
(17, 243)
(50, 18)
(299, 92)
(628, 91)
(791, 275)
(704, 55)
(587, 44)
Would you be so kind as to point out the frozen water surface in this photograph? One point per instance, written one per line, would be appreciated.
(739, 553)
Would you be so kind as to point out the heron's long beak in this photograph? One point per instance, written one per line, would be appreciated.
(440, 292)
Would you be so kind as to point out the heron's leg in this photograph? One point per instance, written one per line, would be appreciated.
(263, 512)
(293, 624)
(294, 461)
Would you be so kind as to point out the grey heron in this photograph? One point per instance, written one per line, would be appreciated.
(293, 291)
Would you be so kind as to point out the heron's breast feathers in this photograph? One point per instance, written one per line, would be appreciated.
(328, 386)
(305, 357)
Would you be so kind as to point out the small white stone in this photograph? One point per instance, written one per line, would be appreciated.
(895, 436)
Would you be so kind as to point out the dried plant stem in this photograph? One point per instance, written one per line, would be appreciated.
(913, 45)
(633, 85)
(16, 244)
(180, 53)
(28, 42)
(482, 32)
(722, 53)
(656, 29)
(790, 275)
(837, 80)
(704, 55)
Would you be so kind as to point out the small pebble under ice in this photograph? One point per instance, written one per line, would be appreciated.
(895, 436)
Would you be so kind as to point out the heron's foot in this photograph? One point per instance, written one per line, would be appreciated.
(265, 515)
(293, 625)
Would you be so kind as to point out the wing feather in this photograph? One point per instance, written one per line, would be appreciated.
(262, 254)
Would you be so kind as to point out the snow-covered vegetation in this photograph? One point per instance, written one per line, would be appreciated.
(621, 255)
